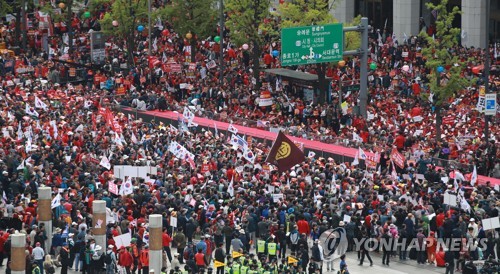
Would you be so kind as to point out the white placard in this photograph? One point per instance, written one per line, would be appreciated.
(347, 219)
(380, 197)
(173, 221)
(420, 177)
(445, 179)
(491, 223)
(277, 197)
(122, 240)
(450, 199)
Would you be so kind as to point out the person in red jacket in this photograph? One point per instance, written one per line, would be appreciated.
(303, 226)
(125, 259)
(199, 258)
(144, 258)
(166, 244)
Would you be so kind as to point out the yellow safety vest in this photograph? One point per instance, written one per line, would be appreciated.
(271, 249)
(261, 246)
(236, 269)
(244, 270)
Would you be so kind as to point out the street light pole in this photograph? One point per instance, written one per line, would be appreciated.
(149, 27)
(487, 73)
(221, 57)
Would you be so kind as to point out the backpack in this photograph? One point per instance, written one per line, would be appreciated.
(108, 260)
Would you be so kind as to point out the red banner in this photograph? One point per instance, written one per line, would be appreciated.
(398, 158)
(448, 120)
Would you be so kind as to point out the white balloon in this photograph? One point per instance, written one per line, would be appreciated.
(245, 46)
(406, 68)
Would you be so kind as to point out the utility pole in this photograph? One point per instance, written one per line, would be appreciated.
(221, 54)
(24, 24)
(149, 27)
(487, 73)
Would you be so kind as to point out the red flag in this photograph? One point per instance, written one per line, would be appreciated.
(398, 158)
(284, 153)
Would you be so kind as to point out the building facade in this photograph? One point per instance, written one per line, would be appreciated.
(407, 17)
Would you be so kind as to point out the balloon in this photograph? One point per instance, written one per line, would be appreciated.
(373, 66)
(217, 39)
(245, 46)
(189, 35)
(115, 23)
(62, 5)
(475, 70)
(341, 63)
(165, 32)
(86, 14)
(440, 69)
(276, 53)
(140, 28)
(406, 68)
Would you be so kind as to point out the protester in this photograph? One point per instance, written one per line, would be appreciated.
(71, 135)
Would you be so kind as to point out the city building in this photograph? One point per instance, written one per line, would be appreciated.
(404, 17)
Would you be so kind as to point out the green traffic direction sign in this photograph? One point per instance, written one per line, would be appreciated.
(312, 44)
(351, 88)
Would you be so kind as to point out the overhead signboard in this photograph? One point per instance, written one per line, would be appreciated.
(312, 44)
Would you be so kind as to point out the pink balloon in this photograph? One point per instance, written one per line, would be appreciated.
(406, 68)
(245, 46)
(115, 23)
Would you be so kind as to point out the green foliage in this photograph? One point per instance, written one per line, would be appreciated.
(246, 20)
(5, 8)
(439, 52)
(199, 17)
(128, 14)
(352, 39)
(305, 13)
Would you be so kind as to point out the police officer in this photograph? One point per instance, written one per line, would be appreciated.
(272, 248)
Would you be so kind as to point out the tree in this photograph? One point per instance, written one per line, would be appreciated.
(5, 8)
(129, 14)
(246, 21)
(196, 16)
(439, 57)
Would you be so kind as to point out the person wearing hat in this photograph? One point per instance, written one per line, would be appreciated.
(110, 260)
(176, 261)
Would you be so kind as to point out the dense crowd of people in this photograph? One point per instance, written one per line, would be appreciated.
(68, 132)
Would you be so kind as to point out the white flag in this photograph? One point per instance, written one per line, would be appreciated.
(56, 201)
(232, 129)
(105, 163)
(127, 187)
(230, 188)
(20, 132)
(356, 160)
(188, 114)
(133, 138)
(29, 111)
(40, 104)
(311, 154)
(87, 104)
(216, 131)
(362, 154)
(473, 179)
(249, 155)
(4, 198)
(356, 137)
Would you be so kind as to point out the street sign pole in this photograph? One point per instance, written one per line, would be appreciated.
(363, 92)
(325, 44)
